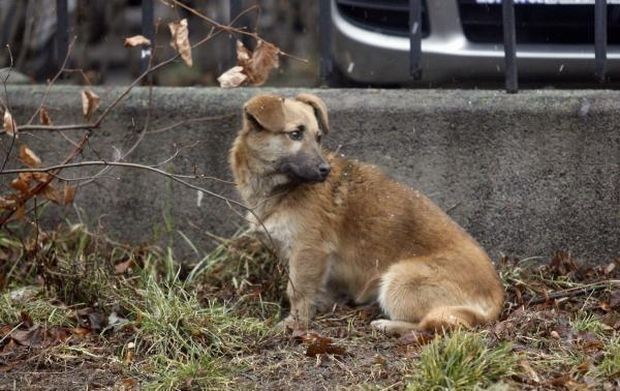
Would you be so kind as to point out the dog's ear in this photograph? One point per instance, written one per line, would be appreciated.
(265, 112)
(320, 110)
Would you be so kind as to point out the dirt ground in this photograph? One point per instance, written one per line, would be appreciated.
(561, 326)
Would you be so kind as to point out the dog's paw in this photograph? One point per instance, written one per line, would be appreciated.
(393, 327)
(291, 324)
(382, 325)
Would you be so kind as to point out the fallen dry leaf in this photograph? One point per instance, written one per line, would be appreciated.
(317, 344)
(233, 77)
(137, 40)
(416, 337)
(90, 102)
(10, 127)
(81, 331)
(44, 117)
(28, 157)
(180, 40)
(122, 267)
(610, 268)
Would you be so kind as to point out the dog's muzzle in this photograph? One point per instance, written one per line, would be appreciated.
(301, 168)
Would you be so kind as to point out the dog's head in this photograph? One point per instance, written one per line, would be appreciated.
(284, 136)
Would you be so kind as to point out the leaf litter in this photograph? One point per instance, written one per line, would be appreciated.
(560, 323)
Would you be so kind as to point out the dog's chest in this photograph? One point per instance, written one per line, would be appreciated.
(283, 230)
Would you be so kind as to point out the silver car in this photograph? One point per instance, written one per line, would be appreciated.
(463, 40)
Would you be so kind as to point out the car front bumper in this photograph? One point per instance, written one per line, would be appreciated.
(370, 57)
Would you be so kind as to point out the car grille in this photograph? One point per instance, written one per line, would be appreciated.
(537, 23)
(387, 17)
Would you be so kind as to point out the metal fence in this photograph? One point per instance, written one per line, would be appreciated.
(415, 37)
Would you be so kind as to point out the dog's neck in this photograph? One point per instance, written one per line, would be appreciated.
(261, 191)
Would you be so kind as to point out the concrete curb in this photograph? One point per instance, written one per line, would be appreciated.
(526, 174)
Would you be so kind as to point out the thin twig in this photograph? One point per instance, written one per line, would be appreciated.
(174, 177)
(8, 107)
(576, 291)
(230, 29)
(53, 81)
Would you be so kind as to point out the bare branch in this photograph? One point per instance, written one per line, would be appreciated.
(175, 177)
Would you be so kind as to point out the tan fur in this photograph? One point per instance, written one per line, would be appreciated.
(359, 232)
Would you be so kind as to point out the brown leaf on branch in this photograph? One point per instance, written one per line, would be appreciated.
(264, 59)
(68, 194)
(233, 77)
(21, 184)
(41, 177)
(49, 192)
(252, 68)
(10, 127)
(180, 40)
(28, 157)
(7, 202)
(244, 55)
(90, 102)
(137, 40)
(44, 117)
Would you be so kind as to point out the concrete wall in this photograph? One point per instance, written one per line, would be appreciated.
(526, 174)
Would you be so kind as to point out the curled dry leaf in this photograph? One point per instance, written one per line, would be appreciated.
(137, 40)
(90, 102)
(233, 77)
(10, 127)
(252, 68)
(244, 55)
(180, 40)
(264, 59)
(28, 157)
(44, 117)
(317, 344)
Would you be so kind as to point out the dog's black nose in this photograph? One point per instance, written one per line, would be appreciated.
(324, 169)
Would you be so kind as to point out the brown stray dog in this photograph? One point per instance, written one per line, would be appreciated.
(346, 228)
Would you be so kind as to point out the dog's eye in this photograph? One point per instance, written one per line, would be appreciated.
(298, 134)
(319, 137)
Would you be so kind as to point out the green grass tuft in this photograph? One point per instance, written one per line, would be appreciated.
(461, 360)
(586, 322)
(610, 365)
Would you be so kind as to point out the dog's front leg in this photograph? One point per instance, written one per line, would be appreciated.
(307, 276)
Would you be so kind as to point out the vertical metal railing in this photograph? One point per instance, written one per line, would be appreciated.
(148, 30)
(325, 40)
(510, 46)
(325, 37)
(415, 39)
(62, 31)
(233, 11)
(600, 38)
